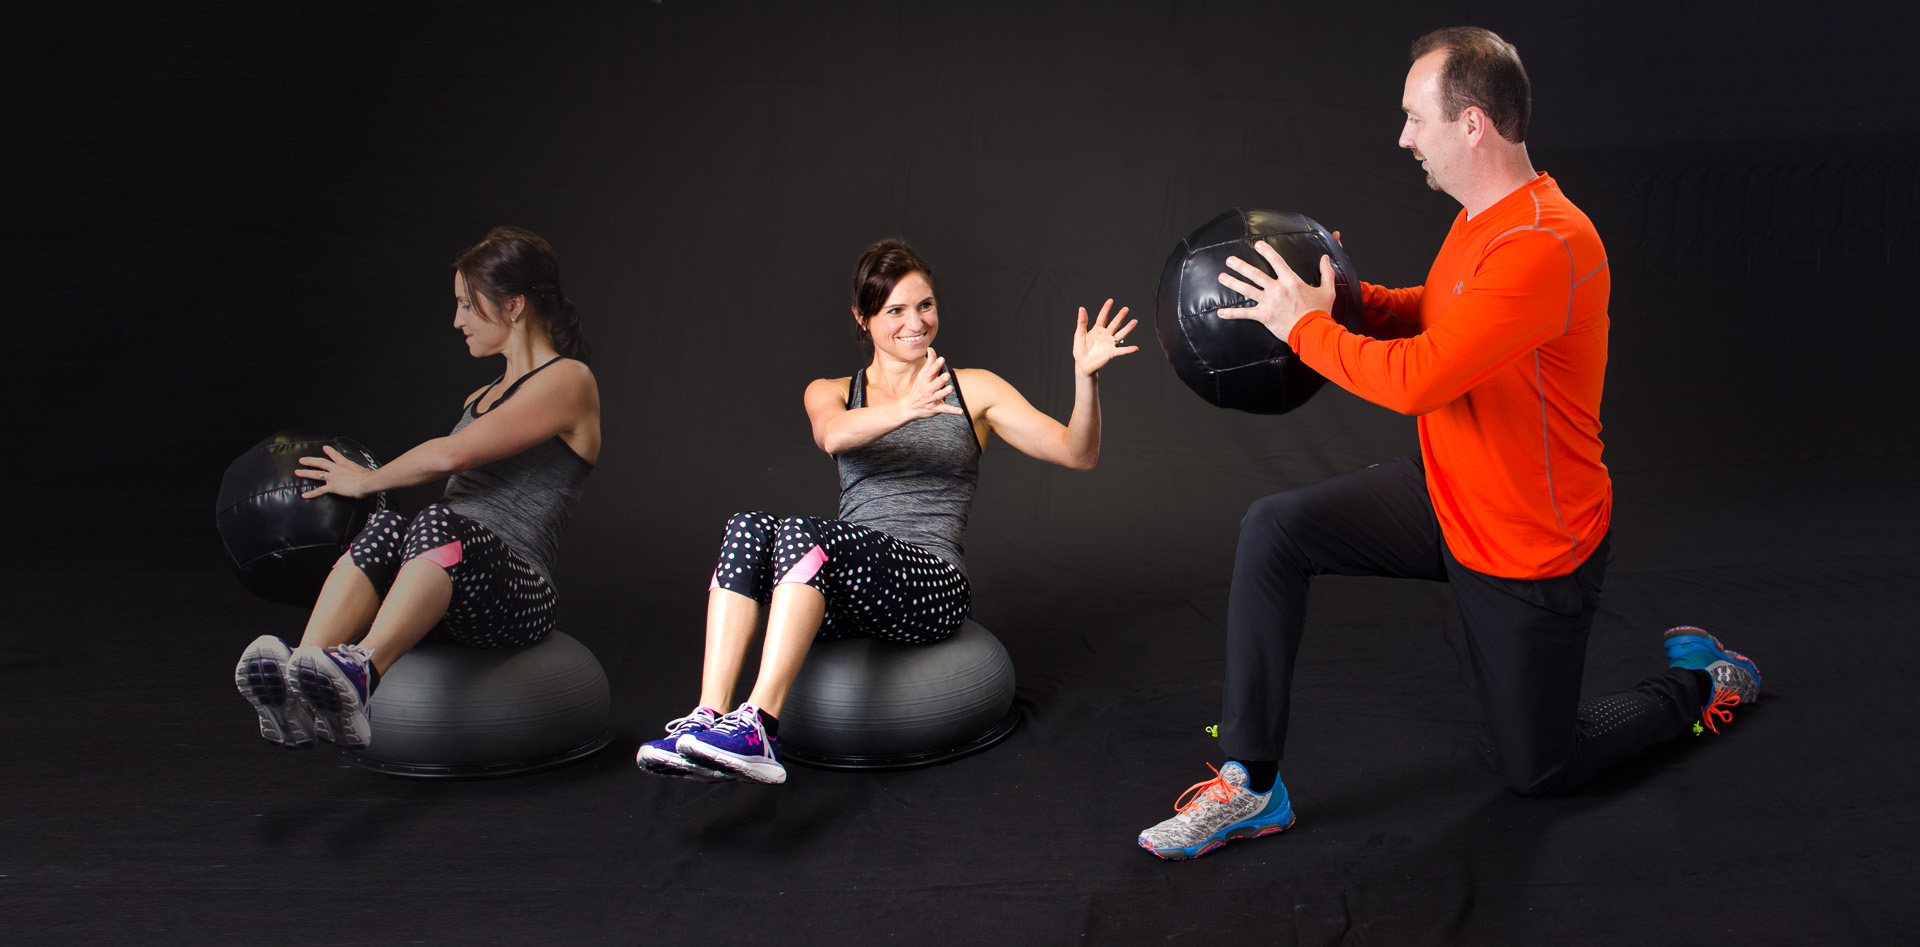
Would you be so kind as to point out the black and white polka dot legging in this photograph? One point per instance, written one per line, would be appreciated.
(498, 600)
(876, 586)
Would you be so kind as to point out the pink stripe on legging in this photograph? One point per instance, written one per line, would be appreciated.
(446, 557)
(808, 566)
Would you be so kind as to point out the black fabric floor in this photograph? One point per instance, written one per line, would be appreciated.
(142, 809)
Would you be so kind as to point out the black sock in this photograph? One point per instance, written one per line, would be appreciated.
(373, 678)
(772, 723)
(1261, 774)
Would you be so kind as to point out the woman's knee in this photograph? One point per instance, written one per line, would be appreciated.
(750, 524)
(799, 534)
(798, 555)
(434, 535)
(748, 540)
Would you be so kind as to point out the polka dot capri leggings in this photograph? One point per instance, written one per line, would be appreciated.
(498, 600)
(876, 586)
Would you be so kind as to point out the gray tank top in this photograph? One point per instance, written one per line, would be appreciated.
(527, 499)
(915, 483)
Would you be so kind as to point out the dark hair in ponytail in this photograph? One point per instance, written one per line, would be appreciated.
(509, 262)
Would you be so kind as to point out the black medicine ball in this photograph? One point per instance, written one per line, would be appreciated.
(1237, 363)
(281, 545)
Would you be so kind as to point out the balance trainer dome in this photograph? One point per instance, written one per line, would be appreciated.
(281, 545)
(451, 710)
(1237, 363)
(861, 703)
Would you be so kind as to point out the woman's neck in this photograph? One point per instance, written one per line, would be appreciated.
(526, 354)
(891, 375)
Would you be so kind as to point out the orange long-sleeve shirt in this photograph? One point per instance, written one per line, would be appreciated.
(1503, 357)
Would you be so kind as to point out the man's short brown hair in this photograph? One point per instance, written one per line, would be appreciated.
(1481, 70)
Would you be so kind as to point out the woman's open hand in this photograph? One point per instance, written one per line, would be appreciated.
(1095, 346)
(928, 394)
(337, 475)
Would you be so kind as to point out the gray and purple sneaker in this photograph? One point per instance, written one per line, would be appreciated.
(335, 684)
(739, 744)
(261, 676)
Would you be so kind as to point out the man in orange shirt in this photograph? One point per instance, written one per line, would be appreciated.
(1502, 354)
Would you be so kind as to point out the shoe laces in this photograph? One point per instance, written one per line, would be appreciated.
(690, 723)
(743, 719)
(1202, 794)
(357, 653)
(1724, 699)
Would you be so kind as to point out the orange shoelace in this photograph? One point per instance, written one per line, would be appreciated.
(1722, 699)
(1216, 788)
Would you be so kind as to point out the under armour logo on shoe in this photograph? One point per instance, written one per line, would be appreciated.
(1458, 285)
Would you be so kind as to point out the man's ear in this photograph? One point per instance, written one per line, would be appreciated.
(1474, 124)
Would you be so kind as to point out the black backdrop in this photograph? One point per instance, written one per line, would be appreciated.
(226, 219)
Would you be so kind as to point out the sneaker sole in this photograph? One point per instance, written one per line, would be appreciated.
(338, 716)
(262, 680)
(761, 770)
(1242, 830)
(661, 763)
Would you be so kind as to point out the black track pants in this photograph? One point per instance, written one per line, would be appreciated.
(1527, 638)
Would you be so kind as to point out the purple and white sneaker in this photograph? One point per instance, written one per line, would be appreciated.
(334, 684)
(738, 743)
(261, 676)
(662, 757)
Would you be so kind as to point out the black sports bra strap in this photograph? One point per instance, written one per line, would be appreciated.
(967, 412)
(510, 388)
(482, 396)
(953, 378)
(857, 392)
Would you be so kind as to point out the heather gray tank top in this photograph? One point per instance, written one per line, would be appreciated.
(914, 483)
(527, 499)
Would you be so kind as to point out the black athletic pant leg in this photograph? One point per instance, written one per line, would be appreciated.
(1375, 521)
(1528, 641)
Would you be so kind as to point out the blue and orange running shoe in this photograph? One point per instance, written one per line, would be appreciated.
(662, 757)
(1210, 813)
(335, 684)
(738, 743)
(261, 676)
(1736, 679)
